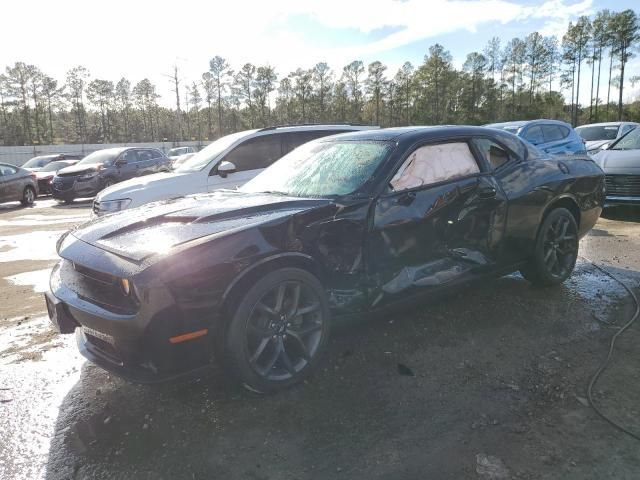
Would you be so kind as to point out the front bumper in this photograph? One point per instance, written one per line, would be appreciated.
(75, 188)
(134, 346)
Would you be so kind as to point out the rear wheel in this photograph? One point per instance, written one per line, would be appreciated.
(28, 196)
(279, 330)
(556, 250)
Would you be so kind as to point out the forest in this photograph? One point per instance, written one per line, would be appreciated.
(523, 78)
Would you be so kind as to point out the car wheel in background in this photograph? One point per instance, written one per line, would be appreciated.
(556, 250)
(28, 196)
(279, 331)
(107, 183)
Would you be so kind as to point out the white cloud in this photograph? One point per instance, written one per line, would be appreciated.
(144, 38)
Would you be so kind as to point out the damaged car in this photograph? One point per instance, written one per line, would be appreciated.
(352, 224)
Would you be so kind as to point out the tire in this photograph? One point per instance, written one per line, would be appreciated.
(107, 183)
(556, 250)
(269, 343)
(28, 196)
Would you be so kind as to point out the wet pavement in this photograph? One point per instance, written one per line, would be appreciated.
(488, 382)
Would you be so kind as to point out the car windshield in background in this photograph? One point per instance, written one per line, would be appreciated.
(204, 156)
(591, 134)
(322, 169)
(36, 162)
(631, 141)
(103, 157)
(55, 166)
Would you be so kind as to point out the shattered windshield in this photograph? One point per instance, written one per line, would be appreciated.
(322, 169)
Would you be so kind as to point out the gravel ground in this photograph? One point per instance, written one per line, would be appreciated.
(486, 383)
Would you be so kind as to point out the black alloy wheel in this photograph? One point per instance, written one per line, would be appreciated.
(556, 250)
(279, 331)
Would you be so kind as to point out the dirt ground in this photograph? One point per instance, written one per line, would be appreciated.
(486, 383)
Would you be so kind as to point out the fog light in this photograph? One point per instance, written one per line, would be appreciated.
(126, 286)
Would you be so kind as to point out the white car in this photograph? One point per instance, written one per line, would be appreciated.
(176, 152)
(598, 135)
(228, 162)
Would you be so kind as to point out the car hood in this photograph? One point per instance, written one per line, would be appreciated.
(619, 161)
(151, 187)
(77, 169)
(33, 169)
(159, 229)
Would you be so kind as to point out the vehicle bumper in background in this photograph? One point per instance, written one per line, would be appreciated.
(72, 188)
(612, 201)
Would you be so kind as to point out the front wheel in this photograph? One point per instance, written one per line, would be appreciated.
(28, 196)
(556, 250)
(279, 330)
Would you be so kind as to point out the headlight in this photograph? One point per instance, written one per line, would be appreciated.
(88, 175)
(111, 206)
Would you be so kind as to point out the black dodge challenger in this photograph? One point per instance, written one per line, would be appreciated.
(354, 223)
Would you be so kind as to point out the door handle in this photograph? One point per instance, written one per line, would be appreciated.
(406, 198)
(487, 192)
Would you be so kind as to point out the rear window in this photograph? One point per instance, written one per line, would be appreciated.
(8, 170)
(601, 132)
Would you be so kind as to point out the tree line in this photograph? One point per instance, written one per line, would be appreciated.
(524, 78)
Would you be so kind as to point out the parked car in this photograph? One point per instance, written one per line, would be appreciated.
(174, 153)
(228, 162)
(344, 225)
(45, 175)
(550, 136)
(38, 163)
(621, 164)
(104, 168)
(598, 135)
(17, 185)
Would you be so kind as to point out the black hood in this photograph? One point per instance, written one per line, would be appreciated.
(159, 228)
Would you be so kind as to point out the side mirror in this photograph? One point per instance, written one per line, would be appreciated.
(225, 168)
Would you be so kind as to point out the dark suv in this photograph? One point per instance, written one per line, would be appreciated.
(104, 168)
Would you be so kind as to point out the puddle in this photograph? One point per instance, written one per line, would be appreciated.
(39, 219)
(38, 204)
(39, 279)
(30, 246)
(31, 393)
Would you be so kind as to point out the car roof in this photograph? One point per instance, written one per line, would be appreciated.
(522, 123)
(608, 124)
(409, 133)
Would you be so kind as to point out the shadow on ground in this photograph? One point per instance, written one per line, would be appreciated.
(498, 369)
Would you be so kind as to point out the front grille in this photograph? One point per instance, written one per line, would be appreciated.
(98, 288)
(623, 185)
(63, 183)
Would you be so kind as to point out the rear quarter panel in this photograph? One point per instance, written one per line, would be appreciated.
(533, 187)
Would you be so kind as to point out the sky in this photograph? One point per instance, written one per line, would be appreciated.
(140, 38)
